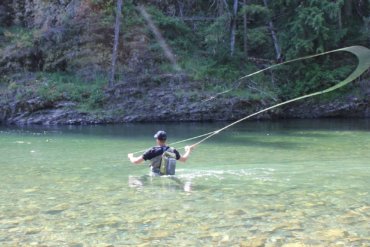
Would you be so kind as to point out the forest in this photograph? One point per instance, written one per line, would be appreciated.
(109, 61)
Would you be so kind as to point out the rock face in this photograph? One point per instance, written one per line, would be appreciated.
(352, 108)
(40, 112)
(174, 98)
(355, 104)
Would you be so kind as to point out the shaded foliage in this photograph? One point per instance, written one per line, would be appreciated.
(76, 37)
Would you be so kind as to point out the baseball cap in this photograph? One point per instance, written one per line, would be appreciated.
(161, 135)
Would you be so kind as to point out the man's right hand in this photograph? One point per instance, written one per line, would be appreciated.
(189, 148)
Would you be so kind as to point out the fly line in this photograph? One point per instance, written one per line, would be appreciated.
(363, 57)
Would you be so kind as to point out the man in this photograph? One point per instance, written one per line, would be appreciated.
(155, 153)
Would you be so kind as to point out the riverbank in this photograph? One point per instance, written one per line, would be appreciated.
(163, 98)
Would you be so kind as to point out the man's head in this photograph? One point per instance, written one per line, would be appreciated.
(161, 136)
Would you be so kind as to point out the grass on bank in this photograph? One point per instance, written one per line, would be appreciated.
(63, 86)
(59, 86)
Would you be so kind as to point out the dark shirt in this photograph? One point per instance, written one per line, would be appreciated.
(156, 151)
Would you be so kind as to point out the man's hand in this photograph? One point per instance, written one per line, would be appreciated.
(189, 148)
(130, 155)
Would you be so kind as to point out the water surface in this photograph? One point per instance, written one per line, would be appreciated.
(259, 183)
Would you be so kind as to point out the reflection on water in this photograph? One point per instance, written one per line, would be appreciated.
(286, 183)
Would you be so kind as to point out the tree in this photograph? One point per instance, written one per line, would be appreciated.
(245, 30)
(273, 35)
(116, 39)
(233, 27)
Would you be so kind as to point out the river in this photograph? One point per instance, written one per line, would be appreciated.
(272, 183)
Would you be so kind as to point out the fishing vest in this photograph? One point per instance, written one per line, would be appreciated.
(164, 164)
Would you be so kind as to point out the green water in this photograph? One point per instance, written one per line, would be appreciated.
(287, 183)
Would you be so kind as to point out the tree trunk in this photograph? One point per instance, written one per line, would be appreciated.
(181, 8)
(223, 6)
(233, 27)
(116, 37)
(273, 35)
(245, 31)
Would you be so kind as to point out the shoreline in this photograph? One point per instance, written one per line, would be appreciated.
(173, 101)
(262, 120)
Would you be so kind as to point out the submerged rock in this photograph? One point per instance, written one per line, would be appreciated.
(238, 212)
(109, 222)
(254, 242)
(58, 209)
(334, 234)
(32, 231)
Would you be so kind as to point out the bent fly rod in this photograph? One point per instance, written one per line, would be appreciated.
(363, 57)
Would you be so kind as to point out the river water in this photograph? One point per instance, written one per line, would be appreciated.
(285, 183)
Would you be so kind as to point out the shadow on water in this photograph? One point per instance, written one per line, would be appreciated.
(179, 131)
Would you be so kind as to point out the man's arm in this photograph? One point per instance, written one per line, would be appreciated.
(188, 150)
(135, 160)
